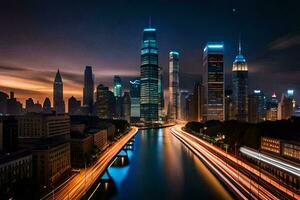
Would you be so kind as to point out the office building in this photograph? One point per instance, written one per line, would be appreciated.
(15, 167)
(213, 81)
(149, 77)
(58, 98)
(256, 107)
(13, 107)
(126, 106)
(74, 106)
(198, 101)
(47, 135)
(182, 104)
(8, 134)
(135, 91)
(3, 103)
(285, 107)
(272, 109)
(229, 108)
(240, 87)
(88, 89)
(105, 102)
(47, 106)
(161, 98)
(173, 85)
(117, 86)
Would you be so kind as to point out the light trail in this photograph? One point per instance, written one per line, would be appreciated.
(272, 161)
(76, 187)
(240, 163)
(244, 183)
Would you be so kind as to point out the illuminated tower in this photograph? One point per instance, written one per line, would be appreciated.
(240, 87)
(117, 86)
(213, 81)
(149, 77)
(58, 99)
(88, 89)
(161, 98)
(173, 85)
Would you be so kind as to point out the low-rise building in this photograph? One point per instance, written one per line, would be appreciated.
(287, 149)
(99, 137)
(14, 168)
(47, 135)
(81, 148)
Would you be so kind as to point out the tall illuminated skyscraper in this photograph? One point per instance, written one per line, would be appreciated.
(161, 98)
(149, 77)
(88, 89)
(58, 99)
(240, 87)
(135, 91)
(213, 81)
(117, 86)
(173, 85)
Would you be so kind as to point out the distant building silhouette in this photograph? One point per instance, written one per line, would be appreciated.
(58, 101)
(88, 89)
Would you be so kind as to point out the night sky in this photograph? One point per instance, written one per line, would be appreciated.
(38, 37)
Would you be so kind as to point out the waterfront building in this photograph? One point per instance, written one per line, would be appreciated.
(213, 81)
(161, 98)
(135, 91)
(126, 106)
(173, 85)
(198, 101)
(149, 77)
(182, 104)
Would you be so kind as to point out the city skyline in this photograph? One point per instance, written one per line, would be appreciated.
(266, 51)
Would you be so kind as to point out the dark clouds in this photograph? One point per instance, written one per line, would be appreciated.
(37, 37)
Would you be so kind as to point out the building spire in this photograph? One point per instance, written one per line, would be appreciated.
(240, 45)
(149, 21)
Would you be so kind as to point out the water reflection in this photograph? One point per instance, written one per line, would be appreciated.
(159, 167)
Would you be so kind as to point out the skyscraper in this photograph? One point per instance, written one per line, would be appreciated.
(126, 106)
(149, 76)
(135, 91)
(198, 101)
(47, 105)
(182, 104)
(105, 102)
(213, 81)
(173, 85)
(161, 98)
(88, 89)
(285, 107)
(240, 87)
(58, 101)
(257, 107)
(117, 86)
(74, 106)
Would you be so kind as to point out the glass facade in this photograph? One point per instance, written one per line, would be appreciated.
(173, 84)
(149, 77)
(135, 91)
(240, 87)
(117, 86)
(213, 81)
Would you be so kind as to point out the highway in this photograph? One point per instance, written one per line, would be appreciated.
(77, 186)
(242, 179)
